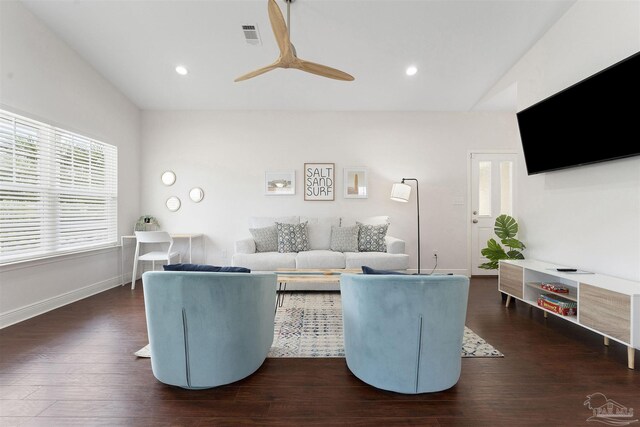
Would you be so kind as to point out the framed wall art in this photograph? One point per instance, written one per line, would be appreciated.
(355, 183)
(319, 181)
(280, 183)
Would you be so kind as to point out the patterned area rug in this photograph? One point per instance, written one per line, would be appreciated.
(309, 324)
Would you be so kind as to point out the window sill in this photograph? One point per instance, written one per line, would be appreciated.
(61, 257)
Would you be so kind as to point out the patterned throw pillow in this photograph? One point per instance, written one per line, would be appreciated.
(371, 238)
(292, 237)
(344, 239)
(266, 238)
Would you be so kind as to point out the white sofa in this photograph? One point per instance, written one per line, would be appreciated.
(320, 255)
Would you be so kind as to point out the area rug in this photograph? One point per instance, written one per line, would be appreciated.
(309, 324)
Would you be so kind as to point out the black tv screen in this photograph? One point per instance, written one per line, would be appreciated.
(592, 121)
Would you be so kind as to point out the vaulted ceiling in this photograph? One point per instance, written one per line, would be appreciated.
(461, 49)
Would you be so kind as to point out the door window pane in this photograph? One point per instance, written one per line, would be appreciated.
(506, 188)
(484, 188)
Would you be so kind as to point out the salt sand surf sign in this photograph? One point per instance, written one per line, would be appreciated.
(319, 181)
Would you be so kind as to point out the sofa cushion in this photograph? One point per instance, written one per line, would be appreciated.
(371, 237)
(377, 260)
(320, 259)
(267, 221)
(266, 238)
(344, 239)
(204, 267)
(370, 220)
(369, 270)
(292, 237)
(265, 261)
(319, 230)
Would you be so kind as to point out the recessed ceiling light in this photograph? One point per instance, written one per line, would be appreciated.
(412, 70)
(182, 70)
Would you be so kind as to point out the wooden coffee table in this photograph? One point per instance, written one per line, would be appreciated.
(308, 275)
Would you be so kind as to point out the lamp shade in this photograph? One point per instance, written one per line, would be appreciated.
(400, 192)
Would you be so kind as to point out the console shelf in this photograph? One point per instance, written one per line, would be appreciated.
(572, 295)
(607, 305)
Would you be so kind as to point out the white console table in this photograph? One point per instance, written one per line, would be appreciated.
(607, 305)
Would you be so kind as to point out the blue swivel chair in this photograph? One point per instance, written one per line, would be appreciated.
(208, 329)
(404, 333)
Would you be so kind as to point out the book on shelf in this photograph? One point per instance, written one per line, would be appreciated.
(558, 305)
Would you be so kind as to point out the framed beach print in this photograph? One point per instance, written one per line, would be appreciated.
(355, 183)
(280, 183)
(319, 181)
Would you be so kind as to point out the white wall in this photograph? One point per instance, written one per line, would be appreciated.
(42, 78)
(227, 154)
(586, 217)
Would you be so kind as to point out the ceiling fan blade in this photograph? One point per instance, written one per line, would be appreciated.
(321, 70)
(278, 26)
(257, 72)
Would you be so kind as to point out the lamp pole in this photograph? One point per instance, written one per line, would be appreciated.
(418, 207)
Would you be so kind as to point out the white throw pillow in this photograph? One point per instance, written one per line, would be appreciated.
(319, 230)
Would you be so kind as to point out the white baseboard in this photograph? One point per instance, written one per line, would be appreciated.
(27, 312)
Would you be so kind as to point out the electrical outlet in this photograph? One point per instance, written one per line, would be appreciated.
(435, 253)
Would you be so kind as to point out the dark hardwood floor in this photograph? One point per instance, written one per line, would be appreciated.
(75, 367)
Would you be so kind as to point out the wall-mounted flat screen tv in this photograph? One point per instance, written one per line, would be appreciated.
(595, 120)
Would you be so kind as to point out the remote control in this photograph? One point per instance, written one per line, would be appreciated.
(567, 269)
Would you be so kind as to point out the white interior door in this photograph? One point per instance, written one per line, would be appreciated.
(492, 194)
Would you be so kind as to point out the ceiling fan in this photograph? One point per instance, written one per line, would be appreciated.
(288, 57)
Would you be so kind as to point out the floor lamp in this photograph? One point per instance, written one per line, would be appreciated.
(400, 192)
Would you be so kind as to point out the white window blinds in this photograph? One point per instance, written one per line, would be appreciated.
(58, 190)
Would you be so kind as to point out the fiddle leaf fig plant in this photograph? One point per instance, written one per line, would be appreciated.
(506, 228)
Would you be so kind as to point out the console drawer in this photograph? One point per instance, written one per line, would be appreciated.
(605, 311)
(511, 280)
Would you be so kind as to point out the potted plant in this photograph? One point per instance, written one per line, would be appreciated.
(147, 223)
(506, 228)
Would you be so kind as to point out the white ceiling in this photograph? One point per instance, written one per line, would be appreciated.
(461, 49)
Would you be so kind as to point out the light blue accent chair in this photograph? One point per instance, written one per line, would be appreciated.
(404, 333)
(208, 329)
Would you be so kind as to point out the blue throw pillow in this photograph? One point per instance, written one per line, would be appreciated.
(234, 270)
(204, 267)
(369, 270)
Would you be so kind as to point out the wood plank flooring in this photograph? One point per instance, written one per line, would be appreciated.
(75, 367)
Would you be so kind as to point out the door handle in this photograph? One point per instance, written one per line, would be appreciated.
(475, 221)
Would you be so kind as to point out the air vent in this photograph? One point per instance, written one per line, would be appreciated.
(251, 34)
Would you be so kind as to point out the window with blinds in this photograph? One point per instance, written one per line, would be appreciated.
(58, 190)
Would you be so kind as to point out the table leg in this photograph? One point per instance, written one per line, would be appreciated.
(282, 286)
(283, 290)
(278, 295)
(631, 355)
(122, 260)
